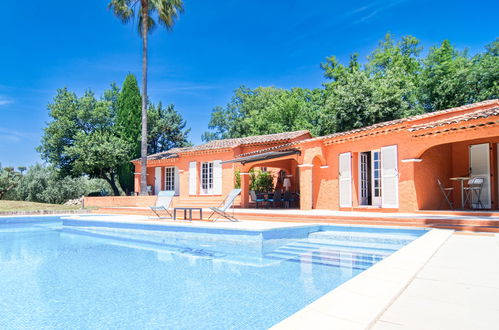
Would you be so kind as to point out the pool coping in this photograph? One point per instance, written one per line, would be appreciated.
(264, 229)
(145, 220)
(360, 301)
(41, 215)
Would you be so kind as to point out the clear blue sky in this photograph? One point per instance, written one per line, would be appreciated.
(216, 46)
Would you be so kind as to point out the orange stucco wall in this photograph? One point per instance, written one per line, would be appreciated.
(120, 201)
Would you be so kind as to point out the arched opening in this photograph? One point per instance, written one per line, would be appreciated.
(436, 164)
(282, 192)
(454, 164)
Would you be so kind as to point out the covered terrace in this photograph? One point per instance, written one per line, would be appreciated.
(454, 151)
(283, 164)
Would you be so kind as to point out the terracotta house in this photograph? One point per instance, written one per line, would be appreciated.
(390, 166)
(208, 170)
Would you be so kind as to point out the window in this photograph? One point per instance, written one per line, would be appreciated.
(169, 178)
(207, 177)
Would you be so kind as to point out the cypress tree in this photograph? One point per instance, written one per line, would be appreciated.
(128, 128)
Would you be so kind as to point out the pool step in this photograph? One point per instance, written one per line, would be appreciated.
(332, 246)
(343, 246)
(375, 245)
(329, 254)
(363, 236)
(316, 258)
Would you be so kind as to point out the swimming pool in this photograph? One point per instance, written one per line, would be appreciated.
(101, 275)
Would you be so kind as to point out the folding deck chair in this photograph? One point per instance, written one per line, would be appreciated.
(163, 202)
(473, 193)
(446, 193)
(226, 204)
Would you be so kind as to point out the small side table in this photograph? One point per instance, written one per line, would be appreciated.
(185, 209)
(461, 179)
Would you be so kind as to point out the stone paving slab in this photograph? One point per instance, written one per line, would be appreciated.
(243, 225)
(457, 289)
(363, 214)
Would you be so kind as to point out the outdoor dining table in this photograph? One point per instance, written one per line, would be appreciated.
(461, 179)
(267, 196)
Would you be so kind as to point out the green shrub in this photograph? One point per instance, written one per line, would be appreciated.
(44, 184)
(237, 179)
(261, 181)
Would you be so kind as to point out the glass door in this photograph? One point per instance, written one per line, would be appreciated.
(364, 178)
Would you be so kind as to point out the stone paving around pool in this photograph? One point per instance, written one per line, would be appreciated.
(457, 289)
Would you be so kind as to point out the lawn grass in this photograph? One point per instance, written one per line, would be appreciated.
(22, 206)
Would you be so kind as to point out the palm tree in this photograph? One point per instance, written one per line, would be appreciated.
(151, 11)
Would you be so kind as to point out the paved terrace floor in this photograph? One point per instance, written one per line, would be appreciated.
(458, 288)
(353, 214)
(478, 221)
(296, 213)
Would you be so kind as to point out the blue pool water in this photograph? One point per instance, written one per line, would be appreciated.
(91, 275)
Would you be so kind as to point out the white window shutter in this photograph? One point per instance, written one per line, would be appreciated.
(345, 179)
(157, 180)
(177, 182)
(192, 178)
(217, 177)
(389, 177)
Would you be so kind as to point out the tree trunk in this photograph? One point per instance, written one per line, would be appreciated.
(143, 145)
(6, 190)
(112, 183)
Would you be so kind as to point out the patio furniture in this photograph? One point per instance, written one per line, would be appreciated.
(473, 193)
(446, 192)
(224, 207)
(256, 199)
(276, 198)
(288, 199)
(163, 202)
(286, 183)
(185, 209)
(461, 180)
